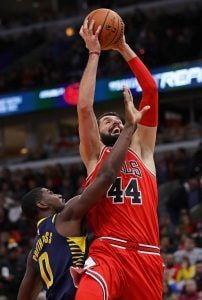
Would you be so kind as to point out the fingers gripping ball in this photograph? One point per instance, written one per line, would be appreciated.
(112, 26)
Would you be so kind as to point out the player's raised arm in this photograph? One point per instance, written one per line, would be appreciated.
(111, 166)
(147, 127)
(88, 129)
(31, 284)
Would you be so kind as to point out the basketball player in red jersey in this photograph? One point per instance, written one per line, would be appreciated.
(124, 260)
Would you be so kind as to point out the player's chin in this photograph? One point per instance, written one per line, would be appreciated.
(109, 140)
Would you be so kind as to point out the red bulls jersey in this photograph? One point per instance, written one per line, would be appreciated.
(129, 208)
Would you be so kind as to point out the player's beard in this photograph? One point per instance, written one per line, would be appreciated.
(109, 140)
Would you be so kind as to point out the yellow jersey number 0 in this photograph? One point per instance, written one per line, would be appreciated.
(45, 270)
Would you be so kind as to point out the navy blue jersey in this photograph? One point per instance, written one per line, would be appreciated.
(52, 256)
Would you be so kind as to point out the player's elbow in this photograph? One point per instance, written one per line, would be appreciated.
(152, 88)
(84, 105)
(151, 91)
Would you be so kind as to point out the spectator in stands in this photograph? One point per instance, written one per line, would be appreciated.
(190, 251)
(170, 282)
(171, 267)
(3, 273)
(198, 274)
(186, 225)
(190, 291)
(12, 268)
(181, 163)
(166, 245)
(186, 270)
(196, 168)
(173, 204)
(166, 226)
(3, 214)
(197, 235)
(15, 212)
(168, 293)
(189, 193)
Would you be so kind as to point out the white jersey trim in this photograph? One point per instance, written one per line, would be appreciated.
(111, 238)
(151, 253)
(99, 159)
(125, 244)
(149, 246)
(100, 280)
(117, 246)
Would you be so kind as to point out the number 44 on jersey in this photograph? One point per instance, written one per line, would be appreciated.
(131, 191)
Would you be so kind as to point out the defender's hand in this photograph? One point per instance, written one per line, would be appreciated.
(132, 115)
(91, 39)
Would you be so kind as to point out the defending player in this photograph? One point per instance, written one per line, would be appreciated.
(59, 243)
(125, 253)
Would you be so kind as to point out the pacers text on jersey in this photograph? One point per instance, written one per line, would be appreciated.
(45, 239)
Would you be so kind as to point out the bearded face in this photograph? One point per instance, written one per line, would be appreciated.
(110, 129)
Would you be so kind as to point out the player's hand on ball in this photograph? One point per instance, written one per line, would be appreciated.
(120, 45)
(132, 115)
(90, 38)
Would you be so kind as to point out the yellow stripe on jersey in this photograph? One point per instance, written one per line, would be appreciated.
(79, 241)
(53, 218)
(77, 247)
(40, 221)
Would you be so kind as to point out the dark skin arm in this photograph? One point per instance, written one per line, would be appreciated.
(31, 284)
(77, 207)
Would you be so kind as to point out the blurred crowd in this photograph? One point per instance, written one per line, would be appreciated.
(179, 164)
(64, 141)
(182, 255)
(49, 57)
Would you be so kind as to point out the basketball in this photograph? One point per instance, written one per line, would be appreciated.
(112, 26)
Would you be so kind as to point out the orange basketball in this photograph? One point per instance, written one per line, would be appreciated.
(112, 26)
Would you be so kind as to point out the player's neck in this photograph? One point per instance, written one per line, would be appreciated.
(43, 215)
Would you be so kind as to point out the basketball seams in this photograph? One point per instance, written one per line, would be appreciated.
(103, 24)
(122, 28)
(117, 32)
(120, 32)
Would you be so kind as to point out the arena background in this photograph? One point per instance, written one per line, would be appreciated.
(42, 59)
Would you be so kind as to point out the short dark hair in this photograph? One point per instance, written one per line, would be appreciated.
(29, 201)
(110, 113)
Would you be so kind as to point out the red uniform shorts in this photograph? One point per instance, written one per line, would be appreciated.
(119, 270)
